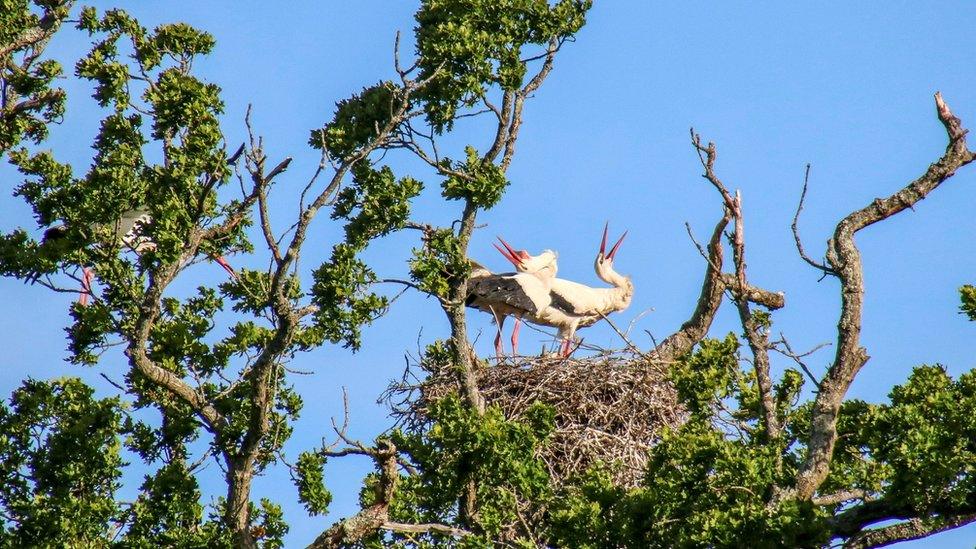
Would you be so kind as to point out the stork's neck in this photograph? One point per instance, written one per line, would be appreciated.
(545, 275)
(615, 279)
(623, 288)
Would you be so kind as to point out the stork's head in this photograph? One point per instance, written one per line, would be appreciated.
(544, 263)
(604, 259)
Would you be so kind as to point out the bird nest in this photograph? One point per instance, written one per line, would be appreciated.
(609, 409)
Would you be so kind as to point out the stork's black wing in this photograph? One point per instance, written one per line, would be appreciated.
(499, 289)
(563, 304)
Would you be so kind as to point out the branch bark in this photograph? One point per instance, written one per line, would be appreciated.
(741, 290)
(709, 300)
(845, 259)
(905, 531)
(373, 517)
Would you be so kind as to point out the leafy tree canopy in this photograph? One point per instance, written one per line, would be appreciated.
(757, 459)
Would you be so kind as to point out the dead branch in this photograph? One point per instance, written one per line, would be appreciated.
(845, 259)
(796, 230)
(425, 529)
(840, 497)
(752, 294)
(782, 346)
(696, 327)
(742, 291)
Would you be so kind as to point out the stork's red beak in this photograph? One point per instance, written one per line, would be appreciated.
(516, 257)
(603, 243)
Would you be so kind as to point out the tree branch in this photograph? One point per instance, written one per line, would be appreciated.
(796, 231)
(845, 259)
(425, 529)
(756, 335)
(366, 522)
(769, 299)
(212, 419)
(905, 531)
(696, 327)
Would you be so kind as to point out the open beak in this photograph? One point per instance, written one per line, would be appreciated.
(516, 257)
(603, 244)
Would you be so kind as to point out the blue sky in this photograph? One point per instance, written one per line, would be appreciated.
(847, 88)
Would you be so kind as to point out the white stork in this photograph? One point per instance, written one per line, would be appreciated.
(574, 305)
(513, 294)
(129, 228)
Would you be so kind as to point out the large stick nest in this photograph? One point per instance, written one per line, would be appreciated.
(609, 408)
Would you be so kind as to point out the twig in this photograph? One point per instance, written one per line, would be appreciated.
(796, 231)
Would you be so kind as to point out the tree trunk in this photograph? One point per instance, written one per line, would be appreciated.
(237, 516)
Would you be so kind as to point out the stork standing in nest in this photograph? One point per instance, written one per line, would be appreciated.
(130, 229)
(574, 305)
(513, 294)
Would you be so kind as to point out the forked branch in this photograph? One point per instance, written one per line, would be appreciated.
(845, 259)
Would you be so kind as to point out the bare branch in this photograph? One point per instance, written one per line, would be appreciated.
(425, 529)
(845, 259)
(770, 300)
(623, 336)
(349, 531)
(696, 327)
(742, 293)
(149, 311)
(905, 531)
(796, 230)
(797, 357)
(840, 497)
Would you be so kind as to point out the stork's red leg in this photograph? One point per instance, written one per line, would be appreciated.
(564, 349)
(515, 334)
(223, 263)
(499, 350)
(86, 289)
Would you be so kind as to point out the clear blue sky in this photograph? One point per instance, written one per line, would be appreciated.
(846, 88)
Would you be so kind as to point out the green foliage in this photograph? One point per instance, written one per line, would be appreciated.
(341, 293)
(178, 193)
(709, 483)
(356, 120)
(29, 103)
(927, 437)
(376, 204)
(309, 479)
(714, 481)
(59, 464)
(479, 181)
(441, 264)
(268, 527)
(167, 513)
(178, 337)
(155, 108)
(461, 447)
(270, 523)
(968, 294)
(852, 467)
(468, 46)
(707, 375)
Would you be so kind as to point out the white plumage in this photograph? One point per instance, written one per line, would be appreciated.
(513, 294)
(574, 305)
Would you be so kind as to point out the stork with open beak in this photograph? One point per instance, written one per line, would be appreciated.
(513, 294)
(574, 305)
(130, 229)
